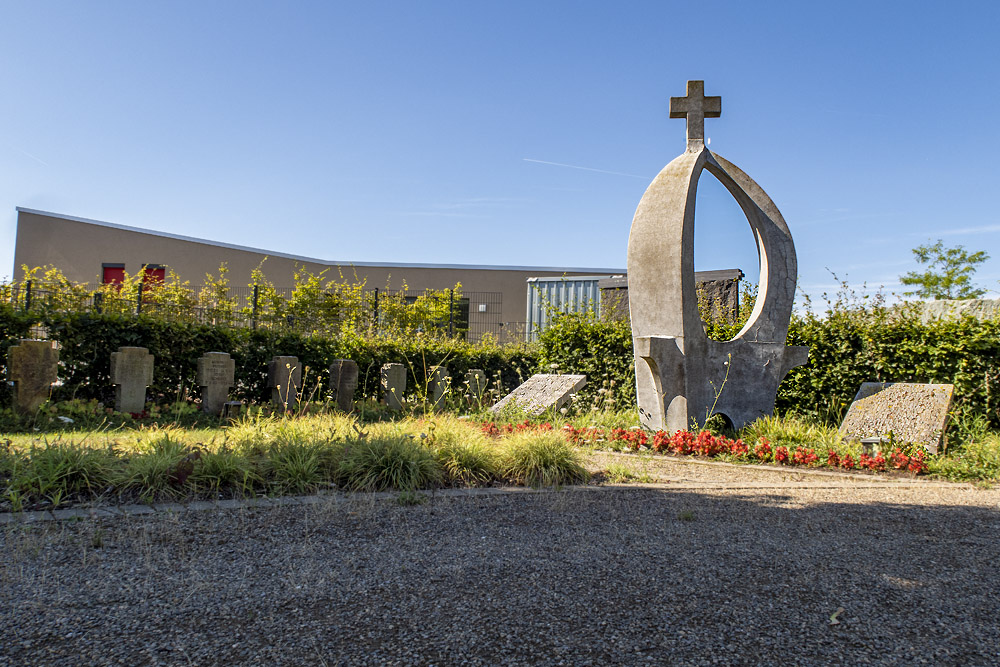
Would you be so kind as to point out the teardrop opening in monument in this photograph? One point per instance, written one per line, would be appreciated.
(726, 259)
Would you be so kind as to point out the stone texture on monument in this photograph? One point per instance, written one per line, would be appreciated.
(542, 392)
(475, 383)
(393, 385)
(438, 382)
(216, 374)
(680, 372)
(916, 413)
(284, 377)
(946, 309)
(343, 383)
(131, 373)
(32, 365)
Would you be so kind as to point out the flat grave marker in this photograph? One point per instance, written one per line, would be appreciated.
(542, 392)
(913, 412)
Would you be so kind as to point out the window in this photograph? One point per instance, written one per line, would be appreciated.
(153, 273)
(112, 274)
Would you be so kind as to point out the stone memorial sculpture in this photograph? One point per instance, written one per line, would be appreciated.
(216, 374)
(343, 383)
(131, 373)
(284, 377)
(681, 375)
(32, 366)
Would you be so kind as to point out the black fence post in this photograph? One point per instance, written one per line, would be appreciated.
(27, 295)
(98, 302)
(451, 312)
(138, 300)
(256, 312)
(375, 311)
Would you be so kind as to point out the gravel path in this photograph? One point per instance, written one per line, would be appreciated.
(584, 576)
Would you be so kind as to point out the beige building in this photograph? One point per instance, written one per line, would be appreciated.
(92, 251)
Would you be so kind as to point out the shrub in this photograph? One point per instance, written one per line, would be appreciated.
(541, 459)
(397, 462)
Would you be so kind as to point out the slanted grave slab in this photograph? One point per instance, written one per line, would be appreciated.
(912, 412)
(131, 373)
(343, 383)
(542, 392)
(32, 366)
(284, 377)
(216, 374)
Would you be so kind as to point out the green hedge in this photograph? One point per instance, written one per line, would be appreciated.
(87, 341)
(847, 346)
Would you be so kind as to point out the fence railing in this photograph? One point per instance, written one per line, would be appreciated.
(448, 312)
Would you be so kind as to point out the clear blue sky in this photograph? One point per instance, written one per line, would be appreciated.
(424, 131)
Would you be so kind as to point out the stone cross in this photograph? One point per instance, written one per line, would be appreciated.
(216, 374)
(32, 367)
(284, 377)
(393, 385)
(695, 107)
(343, 383)
(682, 376)
(131, 373)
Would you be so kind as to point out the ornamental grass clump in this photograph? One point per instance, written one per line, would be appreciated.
(392, 461)
(152, 465)
(59, 471)
(541, 459)
(462, 452)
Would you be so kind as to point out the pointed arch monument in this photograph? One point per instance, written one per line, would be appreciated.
(682, 375)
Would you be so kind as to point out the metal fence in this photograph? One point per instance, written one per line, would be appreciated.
(457, 314)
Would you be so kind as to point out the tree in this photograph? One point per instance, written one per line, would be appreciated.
(949, 272)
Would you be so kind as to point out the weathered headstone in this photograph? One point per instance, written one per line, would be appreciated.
(438, 382)
(32, 366)
(475, 381)
(284, 377)
(216, 374)
(393, 385)
(542, 392)
(343, 383)
(681, 375)
(916, 413)
(131, 373)
(231, 410)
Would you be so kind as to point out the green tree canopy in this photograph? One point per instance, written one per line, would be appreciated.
(949, 272)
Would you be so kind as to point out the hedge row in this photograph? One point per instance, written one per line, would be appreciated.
(87, 341)
(847, 346)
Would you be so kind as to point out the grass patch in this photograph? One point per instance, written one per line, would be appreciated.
(542, 459)
(400, 462)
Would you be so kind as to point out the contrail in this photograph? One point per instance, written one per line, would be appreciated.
(37, 159)
(573, 166)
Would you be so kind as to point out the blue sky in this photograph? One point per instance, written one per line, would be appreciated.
(435, 131)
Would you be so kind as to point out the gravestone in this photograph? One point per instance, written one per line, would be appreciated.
(916, 413)
(542, 392)
(32, 366)
(682, 375)
(216, 374)
(393, 385)
(475, 380)
(284, 377)
(438, 382)
(343, 383)
(131, 373)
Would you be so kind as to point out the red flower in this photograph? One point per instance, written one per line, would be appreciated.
(832, 459)
(781, 455)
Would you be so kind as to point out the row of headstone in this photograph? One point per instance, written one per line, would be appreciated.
(32, 366)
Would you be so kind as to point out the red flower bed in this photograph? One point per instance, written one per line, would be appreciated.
(706, 444)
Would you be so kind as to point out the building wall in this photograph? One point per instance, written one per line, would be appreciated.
(79, 247)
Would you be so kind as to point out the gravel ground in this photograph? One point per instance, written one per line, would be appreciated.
(581, 576)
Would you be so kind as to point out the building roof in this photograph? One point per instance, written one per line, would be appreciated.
(300, 258)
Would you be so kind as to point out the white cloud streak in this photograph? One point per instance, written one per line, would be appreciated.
(573, 166)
